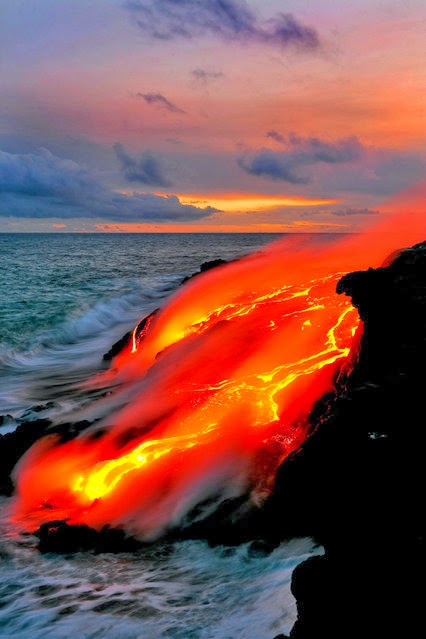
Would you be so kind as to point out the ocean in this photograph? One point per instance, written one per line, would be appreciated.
(64, 300)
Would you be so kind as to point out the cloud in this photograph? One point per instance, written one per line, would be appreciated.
(274, 135)
(42, 185)
(228, 20)
(349, 211)
(146, 169)
(381, 172)
(201, 75)
(157, 98)
(289, 164)
(274, 166)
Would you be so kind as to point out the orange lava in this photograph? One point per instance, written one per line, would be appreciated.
(225, 374)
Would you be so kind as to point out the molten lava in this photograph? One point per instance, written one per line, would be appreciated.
(225, 374)
(257, 381)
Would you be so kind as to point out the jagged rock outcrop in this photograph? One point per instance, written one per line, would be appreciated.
(60, 537)
(125, 341)
(357, 484)
(205, 266)
(13, 446)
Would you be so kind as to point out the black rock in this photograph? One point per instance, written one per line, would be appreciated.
(205, 266)
(60, 537)
(117, 347)
(143, 326)
(357, 483)
(126, 340)
(13, 446)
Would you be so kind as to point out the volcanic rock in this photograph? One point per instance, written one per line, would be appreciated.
(127, 338)
(357, 483)
(13, 446)
(117, 347)
(63, 538)
(205, 266)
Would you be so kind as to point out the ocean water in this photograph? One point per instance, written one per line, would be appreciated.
(184, 590)
(64, 300)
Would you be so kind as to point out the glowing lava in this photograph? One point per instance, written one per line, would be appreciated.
(225, 374)
(250, 388)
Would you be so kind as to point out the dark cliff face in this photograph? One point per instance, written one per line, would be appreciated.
(357, 484)
(378, 414)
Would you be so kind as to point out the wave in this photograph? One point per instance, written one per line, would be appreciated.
(61, 359)
(181, 590)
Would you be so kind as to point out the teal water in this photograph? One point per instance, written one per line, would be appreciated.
(47, 280)
(66, 298)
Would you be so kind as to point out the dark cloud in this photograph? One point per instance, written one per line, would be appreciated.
(345, 212)
(274, 135)
(145, 169)
(158, 98)
(290, 163)
(42, 185)
(226, 19)
(42, 175)
(204, 76)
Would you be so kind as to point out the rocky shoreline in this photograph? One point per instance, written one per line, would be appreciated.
(355, 485)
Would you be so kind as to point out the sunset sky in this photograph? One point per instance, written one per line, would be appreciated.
(209, 115)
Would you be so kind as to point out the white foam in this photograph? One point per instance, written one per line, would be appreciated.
(65, 357)
(186, 591)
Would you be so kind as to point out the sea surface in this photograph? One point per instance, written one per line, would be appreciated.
(64, 300)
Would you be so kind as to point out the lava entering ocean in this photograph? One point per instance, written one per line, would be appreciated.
(225, 374)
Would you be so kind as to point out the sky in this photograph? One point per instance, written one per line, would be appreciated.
(209, 115)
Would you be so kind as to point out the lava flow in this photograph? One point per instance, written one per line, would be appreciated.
(224, 375)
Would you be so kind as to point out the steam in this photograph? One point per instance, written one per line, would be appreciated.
(227, 373)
